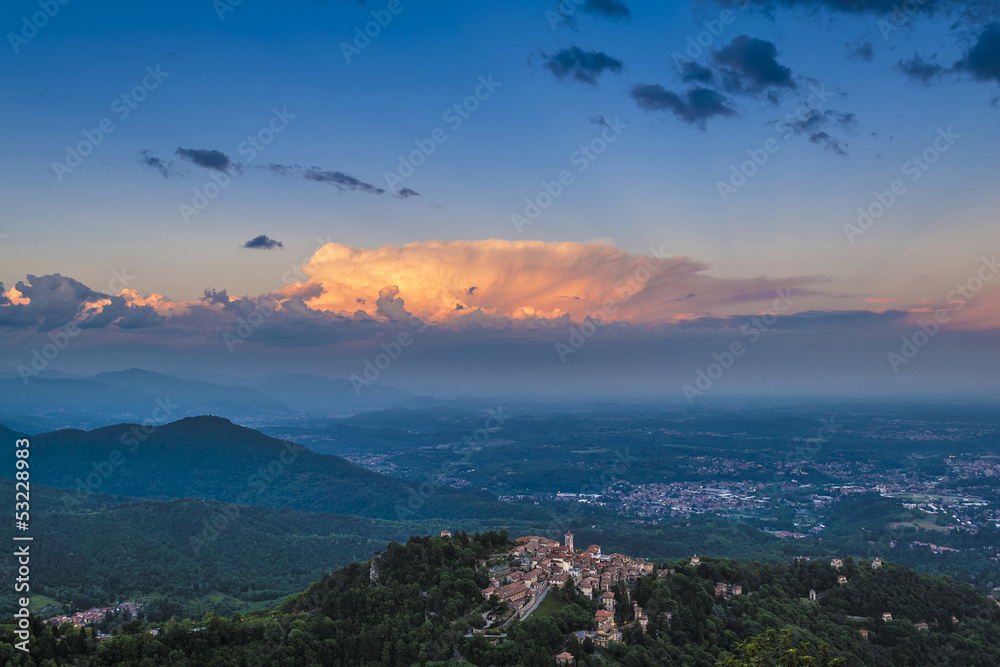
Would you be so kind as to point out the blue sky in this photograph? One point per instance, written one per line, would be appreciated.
(656, 185)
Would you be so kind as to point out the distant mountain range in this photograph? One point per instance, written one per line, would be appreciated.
(57, 400)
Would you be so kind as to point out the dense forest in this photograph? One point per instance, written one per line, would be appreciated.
(420, 603)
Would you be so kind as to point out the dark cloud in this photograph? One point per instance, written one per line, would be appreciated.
(212, 296)
(983, 59)
(751, 65)
(815, 125)
(125, 316)
(692, 71)
(919, 70)
(612, 9)
(846, 6)
(830, 320)
(829, 142)
(582, 65)
(406, 193)
(338, 179)
(471, 290)
(207, 159)
(389, 304)
(167, 168)
(694, 107)
(263, 242)
(864, 51)
(4, 300)
(56, 300)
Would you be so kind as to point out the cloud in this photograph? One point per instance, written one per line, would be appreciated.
(582, 65)
(406, 193)
(694, 107)
(829, 142)
(847, 6)
(612, 9)
(338, 179)
(864, 51)
(208, 159)
(51, 301)
(751, 65)
(816, 124)
(692, 71)
(528, 281)
(212, 296)
(263, 242)
(167, 168)
(983, 59)
(919, 70)
(389, 306)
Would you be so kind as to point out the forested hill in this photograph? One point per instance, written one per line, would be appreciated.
(420, 603)
(215, 459)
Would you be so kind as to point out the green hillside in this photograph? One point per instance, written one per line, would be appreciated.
(419, 603)
(212, 458)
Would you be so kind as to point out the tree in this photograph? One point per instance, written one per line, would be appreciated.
(774, 649)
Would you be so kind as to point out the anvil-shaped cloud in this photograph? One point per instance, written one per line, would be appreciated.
(497, 281)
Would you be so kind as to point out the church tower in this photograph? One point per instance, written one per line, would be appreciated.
(569, 541)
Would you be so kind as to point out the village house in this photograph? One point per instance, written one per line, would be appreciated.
(837, 563)
(695, 560)
(608, 600)
(841, 579)
(877, 563)
(513, 592)
(886, 616)
(566, 659)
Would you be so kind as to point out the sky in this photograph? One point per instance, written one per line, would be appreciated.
(499, 181)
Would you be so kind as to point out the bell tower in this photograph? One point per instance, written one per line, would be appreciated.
(569, 541)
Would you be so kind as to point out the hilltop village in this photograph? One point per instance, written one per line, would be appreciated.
(539, 563)
(525, 575)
